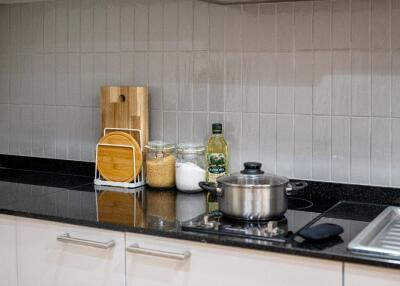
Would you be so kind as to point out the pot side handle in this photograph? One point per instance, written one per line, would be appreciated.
(294, 187)
(210, 187)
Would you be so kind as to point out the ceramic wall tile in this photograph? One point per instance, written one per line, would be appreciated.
(341, 82)
(171, 87)
(250, 26)
(156, 125)
(380, 84)
(303, 93)
(360, 158)
(4, 79)
(170, 127)
(127, 25)
(61, 26)
(321, 148)
(4, 128)
(233, 134)
(284, 145)
(360, 83)
(322, 25)
(38, 28)
(303, 142)
(216, 81)
(87, 25)
(201, 26)
(156, 78)
(74, 79)
(74, 25)
(395, 18)
(267, 27)
(141, 24)
(141, 60)
(200, 81)
(185, 28)
(322, 83)
(4, 28)
(268, 142)
(250, 77)
(185, 127)
(285, 29)
(233, 28)
(37, 79)
(170, 25)
(185, 99)
(233, 82)
(87, 80)
(268, 79)
(217, 15)
(380, 151)
(395, 152)
(360, 25)
(341, 24)
(127, 68)
(340, 149)
(303, 25)
(395, 88)
(200, 127)
(285, 93)
(250, 137)
(380, 26)
(100, 26)
(155, 25)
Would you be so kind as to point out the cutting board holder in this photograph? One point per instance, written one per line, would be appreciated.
(139, 180)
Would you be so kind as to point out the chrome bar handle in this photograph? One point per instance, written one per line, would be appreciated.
(85, 242)
(135, 248)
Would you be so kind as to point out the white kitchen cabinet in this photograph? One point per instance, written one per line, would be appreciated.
(356, 275)
(8, 251)
(44, 260)
(220, 265)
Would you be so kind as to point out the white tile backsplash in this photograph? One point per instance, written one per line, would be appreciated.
(311, 89)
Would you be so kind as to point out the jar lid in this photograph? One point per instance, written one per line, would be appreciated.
(159, 145)
(190, 148)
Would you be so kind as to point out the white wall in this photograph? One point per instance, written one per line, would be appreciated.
(311, 89)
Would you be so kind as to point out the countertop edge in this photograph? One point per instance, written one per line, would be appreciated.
(365, 260)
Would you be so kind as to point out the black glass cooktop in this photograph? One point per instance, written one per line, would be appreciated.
(276, 230)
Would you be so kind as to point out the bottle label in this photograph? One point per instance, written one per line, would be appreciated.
(216, 166)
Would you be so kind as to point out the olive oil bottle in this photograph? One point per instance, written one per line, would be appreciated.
(217, 161)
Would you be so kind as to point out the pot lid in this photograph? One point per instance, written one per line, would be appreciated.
(253, 176)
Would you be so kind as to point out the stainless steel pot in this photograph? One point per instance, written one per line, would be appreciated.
(253, 195)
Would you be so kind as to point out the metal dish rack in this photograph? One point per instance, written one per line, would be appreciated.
(139, 180)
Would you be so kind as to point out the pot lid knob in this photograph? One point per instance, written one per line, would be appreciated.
(252, 168)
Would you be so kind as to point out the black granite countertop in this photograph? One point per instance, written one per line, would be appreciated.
(70, 198)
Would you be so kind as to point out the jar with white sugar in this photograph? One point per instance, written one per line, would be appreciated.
(190, 166)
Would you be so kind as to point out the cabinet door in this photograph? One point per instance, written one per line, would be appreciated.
(86, 257)
(8, 250)
(219, 265)
(355, 275)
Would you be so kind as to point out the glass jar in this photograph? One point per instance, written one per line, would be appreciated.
(160, 164)
(190, 167)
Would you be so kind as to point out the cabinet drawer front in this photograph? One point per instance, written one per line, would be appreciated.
(79, 260)
(355, 275)
(220, 265)
(8, 250)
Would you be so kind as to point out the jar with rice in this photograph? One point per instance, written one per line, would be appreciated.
(160, 164)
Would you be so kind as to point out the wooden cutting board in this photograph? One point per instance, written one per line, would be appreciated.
(116, 163)
(125, 107)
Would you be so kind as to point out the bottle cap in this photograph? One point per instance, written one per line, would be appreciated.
(216, 128)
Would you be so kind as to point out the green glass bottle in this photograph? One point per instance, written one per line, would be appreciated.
(217, 161)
